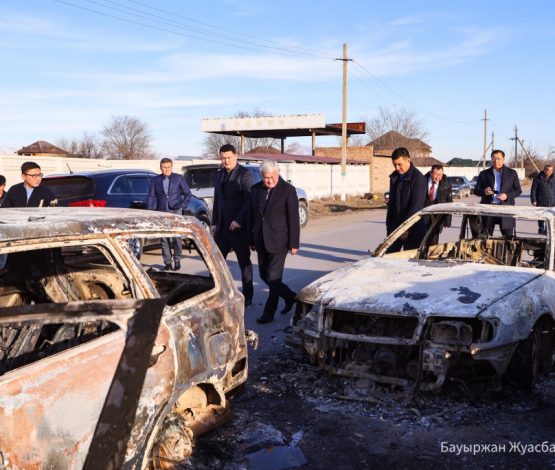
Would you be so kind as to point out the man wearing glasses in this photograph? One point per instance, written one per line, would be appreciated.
(30, 193)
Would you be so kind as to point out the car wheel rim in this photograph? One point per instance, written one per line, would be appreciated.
(135, 246)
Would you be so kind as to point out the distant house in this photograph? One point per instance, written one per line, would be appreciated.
(265, 149)
(42, 148)
(426, 161)
(465, 162)
(385, 144)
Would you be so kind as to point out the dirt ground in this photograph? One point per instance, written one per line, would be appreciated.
(292, 415)
(334, 205)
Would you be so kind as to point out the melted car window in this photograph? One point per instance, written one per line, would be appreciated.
(468, 239)
(185, 276)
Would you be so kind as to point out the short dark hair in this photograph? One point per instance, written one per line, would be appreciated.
(498, 151)
(437, 166)
(227, 148)
(166, 160)
(29, 166)
(400, 152)
(2, 180)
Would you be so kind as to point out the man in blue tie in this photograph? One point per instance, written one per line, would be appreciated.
(438, 191)
(498, 184)
(169, 192)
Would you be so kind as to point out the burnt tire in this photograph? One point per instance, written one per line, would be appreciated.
(303, 214)
(524, 367)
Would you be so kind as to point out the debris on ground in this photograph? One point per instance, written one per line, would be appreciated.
(292, 413)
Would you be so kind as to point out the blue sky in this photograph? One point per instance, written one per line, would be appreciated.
(67, 70)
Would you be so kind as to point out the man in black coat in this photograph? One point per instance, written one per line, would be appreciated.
(498, 184)
(230, 214)
(2, 189)
(30, 193)
(439, 192)
(407, 192)
(542, 193)
(274, 231)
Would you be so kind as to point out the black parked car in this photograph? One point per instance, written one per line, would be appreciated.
(113, 188)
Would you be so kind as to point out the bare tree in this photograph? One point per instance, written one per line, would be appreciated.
(70, 145)
(533, 161)
(213, 142)
(86, 146)
(295, 148)
(127, 138)
(401, 120)
(91, 146)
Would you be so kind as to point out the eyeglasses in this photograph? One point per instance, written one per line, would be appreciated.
(36, 175)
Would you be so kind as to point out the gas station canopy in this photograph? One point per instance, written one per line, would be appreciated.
(279, 127)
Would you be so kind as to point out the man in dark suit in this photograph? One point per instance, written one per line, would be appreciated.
(407, 192)
(542, 193)
(274, 231)
(30, 193)
(439, 191)
(2, 189)
(498, 184)
(230, 214)
(169, 192)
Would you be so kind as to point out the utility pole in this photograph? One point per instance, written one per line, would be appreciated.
(515, 138)
(485, 119)
(344, 126)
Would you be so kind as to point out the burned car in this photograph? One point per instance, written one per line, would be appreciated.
(106, 361)
(475, 305)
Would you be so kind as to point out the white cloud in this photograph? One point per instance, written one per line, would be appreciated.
(403, 57)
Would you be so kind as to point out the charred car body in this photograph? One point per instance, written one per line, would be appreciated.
(474, 305)
(103, 362)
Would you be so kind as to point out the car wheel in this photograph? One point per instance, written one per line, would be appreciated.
(204, 221)
(525, 363)
(136, 246)
(303, 214)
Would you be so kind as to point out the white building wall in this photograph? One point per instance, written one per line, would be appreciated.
(318, 180)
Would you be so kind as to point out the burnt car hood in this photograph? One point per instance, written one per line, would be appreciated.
(381, 285)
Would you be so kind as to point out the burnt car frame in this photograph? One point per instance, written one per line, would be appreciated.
(99, 358)
(477, 306)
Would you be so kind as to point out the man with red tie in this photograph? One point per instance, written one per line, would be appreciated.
(439, 191)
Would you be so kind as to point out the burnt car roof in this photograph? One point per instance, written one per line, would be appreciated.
(491, 209)
(18, 223)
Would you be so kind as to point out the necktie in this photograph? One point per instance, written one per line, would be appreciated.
(431, 192)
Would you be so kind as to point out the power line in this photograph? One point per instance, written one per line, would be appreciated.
(220, 28)
(159, 19)
(250, 45)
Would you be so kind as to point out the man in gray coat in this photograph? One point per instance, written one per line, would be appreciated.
(542, 193)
